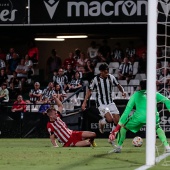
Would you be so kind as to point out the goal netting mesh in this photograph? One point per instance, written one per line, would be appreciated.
(163, 63)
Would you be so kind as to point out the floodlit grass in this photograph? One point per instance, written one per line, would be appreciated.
(38, 154)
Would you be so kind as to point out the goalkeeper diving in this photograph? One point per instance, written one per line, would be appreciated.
(135, 121)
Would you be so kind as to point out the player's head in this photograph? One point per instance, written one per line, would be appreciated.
(51, 113)
(104, 70)
(143, 84)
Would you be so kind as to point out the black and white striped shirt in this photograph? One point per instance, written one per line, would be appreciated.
(33, 91)
(126, 68)
(48, 93)
(61, 80)
(104, 88)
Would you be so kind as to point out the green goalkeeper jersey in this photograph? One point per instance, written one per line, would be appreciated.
(139, 100)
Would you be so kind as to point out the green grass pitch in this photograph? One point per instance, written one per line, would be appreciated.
(38, 154)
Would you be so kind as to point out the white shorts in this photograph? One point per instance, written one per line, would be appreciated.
(111, 108)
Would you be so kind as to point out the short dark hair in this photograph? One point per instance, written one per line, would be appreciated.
(103, 67)
(143, 84)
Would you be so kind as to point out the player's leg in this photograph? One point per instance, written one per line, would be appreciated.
(106, 117)
(84, 143)
(162, 137)
(91, 136)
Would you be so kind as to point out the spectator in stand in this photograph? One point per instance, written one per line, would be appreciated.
(29, 64)
(18, 108)
(143, 63)
(22, 72)
(81, 62)
(88, 71)
(12, 63)
(92, 52)
(70, 60)
(69, 72)
(4, 93)
(59, 91)
(33, 52)
(141, 49)
(76, 83)
(125, 70)
(131, 52)
(61, 79)
(77, 54)
(158, 70)
(2, 55)
(10, 54)
(105, 50)
(100, 57)
(3, 77)
(14, 83)
(117, 54)
(35, 94)
(2, 64)
(48, 92)
(53, 63)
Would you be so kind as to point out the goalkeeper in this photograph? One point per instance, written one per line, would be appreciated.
(138, 119)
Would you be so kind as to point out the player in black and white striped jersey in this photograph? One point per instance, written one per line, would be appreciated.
(104, 83)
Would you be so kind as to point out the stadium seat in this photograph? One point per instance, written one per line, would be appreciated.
(96, 71)
(99, 63)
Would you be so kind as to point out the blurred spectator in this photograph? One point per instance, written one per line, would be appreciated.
(12, 63)
(70, 60)
(158, 69)
(131, 52)
(141, 49)
(18, 108)
(29, 64)
(3, 77)
(76, 83)
(35, 94)
(59, 91)
(88, 71)
(118, 53)
(61, 79)
(92, 52)
(142, 63)
(77, 54)
(33, 52)
(22, 72)
(4, 93)
(82, 60)
(105, 50)
(10, 54)
(14, 83)
(48, 92)
(125, 70)
(100, 57)
(2, 64)
(53, 63)
(69, 72)
(2, 55)
(19, 105)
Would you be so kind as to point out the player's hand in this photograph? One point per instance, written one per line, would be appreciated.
(112, 137)
(124, 94)
(83, 106)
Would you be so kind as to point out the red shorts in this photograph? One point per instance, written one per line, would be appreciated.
(75, 137)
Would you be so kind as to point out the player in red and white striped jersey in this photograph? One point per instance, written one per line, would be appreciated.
(58, 130)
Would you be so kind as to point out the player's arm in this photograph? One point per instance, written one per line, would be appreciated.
(88, 94)
(163, 99)
(58, 102)
(121, 89)
(53, 140)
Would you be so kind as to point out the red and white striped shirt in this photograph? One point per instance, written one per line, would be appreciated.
(60, 130)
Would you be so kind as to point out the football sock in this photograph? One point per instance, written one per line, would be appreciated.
(162, 136)
(121, 136)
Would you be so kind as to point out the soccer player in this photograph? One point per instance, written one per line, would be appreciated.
(58, 130)
(104, 83)
(138, 119)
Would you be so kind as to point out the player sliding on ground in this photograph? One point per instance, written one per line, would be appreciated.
(58, 130)
(138, 119)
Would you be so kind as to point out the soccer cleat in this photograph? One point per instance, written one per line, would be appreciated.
(167, 150)
(117, 150)
(94, 144)
(101, 127)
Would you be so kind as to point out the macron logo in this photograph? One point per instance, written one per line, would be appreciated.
(51, 6)
(165, 6)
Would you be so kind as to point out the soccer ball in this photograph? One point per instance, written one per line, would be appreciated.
(137, 141)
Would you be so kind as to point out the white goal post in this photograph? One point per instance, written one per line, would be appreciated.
(151, 81)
